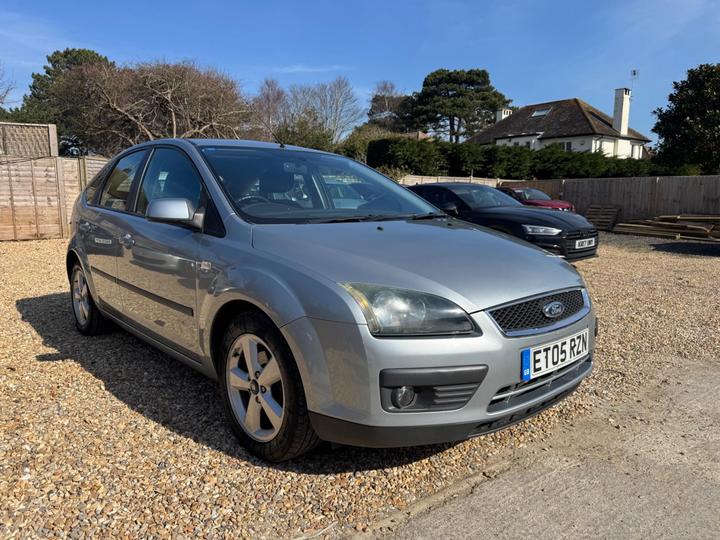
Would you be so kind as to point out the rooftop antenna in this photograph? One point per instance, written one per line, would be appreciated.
(634, 76)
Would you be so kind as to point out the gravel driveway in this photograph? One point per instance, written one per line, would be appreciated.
(105, 436)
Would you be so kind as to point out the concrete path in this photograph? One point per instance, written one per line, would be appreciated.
(648, 468)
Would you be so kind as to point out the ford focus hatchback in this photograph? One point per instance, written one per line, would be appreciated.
(329, 302)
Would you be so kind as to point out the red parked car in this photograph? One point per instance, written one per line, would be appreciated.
(535, 197)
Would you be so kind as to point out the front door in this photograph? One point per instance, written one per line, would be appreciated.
(157, 269)
(101, 227)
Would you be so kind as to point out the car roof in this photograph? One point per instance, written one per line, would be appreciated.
(236, 143)
(243, 143)
(452, 184)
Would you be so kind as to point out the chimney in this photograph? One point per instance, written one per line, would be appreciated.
(621, 112)
(502, 114)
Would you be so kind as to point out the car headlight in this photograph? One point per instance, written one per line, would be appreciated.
(541, 231)
(400, 312)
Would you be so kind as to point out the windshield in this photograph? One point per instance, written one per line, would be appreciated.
(269, 185)
(532, 194)
(484, 197)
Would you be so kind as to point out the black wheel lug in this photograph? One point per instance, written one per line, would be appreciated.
(257, 374)
(257, 399)
(263, 389)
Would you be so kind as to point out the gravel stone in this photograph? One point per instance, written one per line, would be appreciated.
(106, 436)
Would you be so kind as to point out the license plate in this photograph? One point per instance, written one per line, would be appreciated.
(584, 243)
(543, 359)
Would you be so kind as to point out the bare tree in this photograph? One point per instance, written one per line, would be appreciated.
(155, 100)
(386, 107)
(6, 86)
(385, 97)
(270, 108)
(337, 107)
(329, 109)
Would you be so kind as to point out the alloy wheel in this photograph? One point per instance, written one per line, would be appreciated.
(255, 387)
(80, 297)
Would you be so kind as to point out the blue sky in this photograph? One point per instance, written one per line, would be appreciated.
(534, 50)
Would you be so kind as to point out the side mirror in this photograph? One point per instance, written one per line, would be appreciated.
(450, 208)
(178, 211)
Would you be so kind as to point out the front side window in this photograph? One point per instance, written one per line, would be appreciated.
(292, 186)
(117, 188)
(484, 197)
(169, 175)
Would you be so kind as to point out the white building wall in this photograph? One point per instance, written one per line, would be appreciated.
(577, 144)
(611, 147)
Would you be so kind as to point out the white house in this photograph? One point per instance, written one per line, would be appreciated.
(577, 126)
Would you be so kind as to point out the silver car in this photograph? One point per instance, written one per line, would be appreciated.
(379, 323)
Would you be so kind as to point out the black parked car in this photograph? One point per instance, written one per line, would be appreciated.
(563, 233)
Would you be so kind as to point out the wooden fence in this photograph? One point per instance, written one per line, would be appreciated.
(37, 194)
(638, 197)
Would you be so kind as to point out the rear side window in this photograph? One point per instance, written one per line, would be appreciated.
(117, 188)
(95, 183)
(169, 175)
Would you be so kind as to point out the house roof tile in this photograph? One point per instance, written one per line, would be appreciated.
(565, 118)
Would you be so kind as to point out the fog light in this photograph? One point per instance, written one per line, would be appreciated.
(403, 397)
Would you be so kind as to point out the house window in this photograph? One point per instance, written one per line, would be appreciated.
(527, 144)
(540, 112)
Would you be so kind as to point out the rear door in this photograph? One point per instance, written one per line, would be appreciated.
(157, 267)
(101, 227)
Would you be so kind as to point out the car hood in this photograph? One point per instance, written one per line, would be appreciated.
(534, 215)
(474, 267)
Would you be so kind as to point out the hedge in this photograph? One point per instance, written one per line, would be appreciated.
(432, 158)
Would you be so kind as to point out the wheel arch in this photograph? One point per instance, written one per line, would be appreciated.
(70, 259)
(221, 320)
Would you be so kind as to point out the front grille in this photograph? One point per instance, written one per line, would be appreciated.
(570, 239)
(529, 315)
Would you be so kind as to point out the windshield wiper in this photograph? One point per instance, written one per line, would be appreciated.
(348, 219)
(430, 215)
(379, 217)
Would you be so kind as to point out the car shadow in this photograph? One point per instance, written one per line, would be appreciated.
(168, 392)
(689, 248)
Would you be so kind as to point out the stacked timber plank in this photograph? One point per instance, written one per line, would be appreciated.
(704, 228)
(602, 216)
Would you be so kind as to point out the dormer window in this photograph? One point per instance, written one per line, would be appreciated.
(540, 112)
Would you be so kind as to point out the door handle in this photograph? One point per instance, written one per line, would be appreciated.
(84, 226)
(127, 240)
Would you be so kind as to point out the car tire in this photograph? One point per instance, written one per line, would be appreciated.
(88, 319)
(263, 396)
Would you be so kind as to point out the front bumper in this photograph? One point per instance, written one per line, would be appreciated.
(352, 434)
(565, 245)
(342, 368)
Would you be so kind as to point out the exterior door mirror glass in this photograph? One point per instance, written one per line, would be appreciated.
(180, 211)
